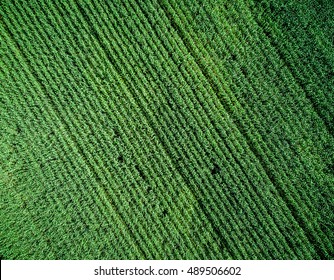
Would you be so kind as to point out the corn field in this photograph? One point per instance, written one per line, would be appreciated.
(146, 129)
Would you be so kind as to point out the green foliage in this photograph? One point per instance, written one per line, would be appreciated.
(166, 130)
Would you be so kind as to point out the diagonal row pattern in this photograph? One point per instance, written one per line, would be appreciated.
(166, 130)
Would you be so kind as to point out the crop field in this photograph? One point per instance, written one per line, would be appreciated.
(166, 129)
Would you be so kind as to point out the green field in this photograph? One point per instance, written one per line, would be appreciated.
(166, 129)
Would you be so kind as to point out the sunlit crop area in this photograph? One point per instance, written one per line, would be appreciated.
(155, 129)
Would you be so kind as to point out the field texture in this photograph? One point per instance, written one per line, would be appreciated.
(167, 129)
